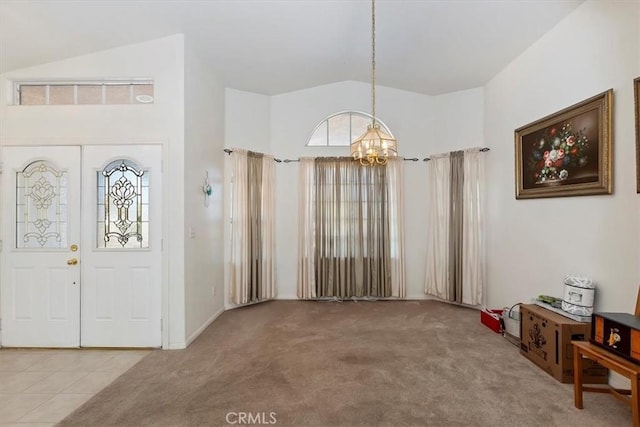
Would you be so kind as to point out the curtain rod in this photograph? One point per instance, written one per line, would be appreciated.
(483, 149)
(410, 159)
(229, 151)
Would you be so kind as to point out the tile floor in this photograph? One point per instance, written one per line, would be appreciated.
(40, 387)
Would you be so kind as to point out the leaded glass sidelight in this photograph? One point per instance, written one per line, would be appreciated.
(123, 206)
(41, 206)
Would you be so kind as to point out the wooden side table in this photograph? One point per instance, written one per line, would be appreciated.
(614, 362)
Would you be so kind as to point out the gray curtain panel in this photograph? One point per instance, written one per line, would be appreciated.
(352, 234)
(455, 226)
(254, 203)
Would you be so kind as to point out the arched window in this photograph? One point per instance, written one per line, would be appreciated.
(340, 129)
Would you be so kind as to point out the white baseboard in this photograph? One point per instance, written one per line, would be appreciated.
(286, 297)
(419, 297)
(176, 346)
(203, 327)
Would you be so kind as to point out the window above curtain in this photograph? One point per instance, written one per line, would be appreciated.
(340, 129)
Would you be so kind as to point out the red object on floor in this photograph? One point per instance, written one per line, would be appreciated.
(492, 319)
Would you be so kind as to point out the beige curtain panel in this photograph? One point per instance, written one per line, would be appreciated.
(455, 231)
(252, 260)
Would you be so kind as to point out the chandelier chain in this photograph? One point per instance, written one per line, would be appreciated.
(373, 60)
(375, 145)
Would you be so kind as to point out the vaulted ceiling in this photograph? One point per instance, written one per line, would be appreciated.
(277, 46)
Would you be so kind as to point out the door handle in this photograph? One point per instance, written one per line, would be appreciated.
(72, 261)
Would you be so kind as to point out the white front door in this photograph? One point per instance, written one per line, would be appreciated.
(121, 246)
(81, 258)
(40, 298)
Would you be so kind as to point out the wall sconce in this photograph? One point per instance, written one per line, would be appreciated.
(206, 189)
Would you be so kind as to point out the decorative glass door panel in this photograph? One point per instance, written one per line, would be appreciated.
(41, 206)
(123, 206)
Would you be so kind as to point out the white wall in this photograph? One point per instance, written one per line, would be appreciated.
(247, 121)
(162, 122)
(532, 244)
(159, 59)
(458, 120)
(203, 224)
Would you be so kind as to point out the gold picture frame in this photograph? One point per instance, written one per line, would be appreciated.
(568, 153)
(636, 98)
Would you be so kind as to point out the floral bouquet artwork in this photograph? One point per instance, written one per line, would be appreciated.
(567, 153)
(558, 153)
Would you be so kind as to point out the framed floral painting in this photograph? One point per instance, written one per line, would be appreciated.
(636, 97)
(568, 153)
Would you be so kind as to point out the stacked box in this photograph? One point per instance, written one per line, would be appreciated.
(619, 333)
(545, 339)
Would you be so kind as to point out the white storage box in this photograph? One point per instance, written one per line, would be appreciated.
(579, 294)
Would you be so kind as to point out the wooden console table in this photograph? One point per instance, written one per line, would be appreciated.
(614, 362)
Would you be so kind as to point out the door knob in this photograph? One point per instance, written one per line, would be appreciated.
(72, 261)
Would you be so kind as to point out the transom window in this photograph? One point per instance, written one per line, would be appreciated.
(340, 129)
(84, 93)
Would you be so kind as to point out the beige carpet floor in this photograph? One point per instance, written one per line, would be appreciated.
(296, 363)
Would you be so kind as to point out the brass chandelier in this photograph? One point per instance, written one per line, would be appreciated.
(375, 146)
